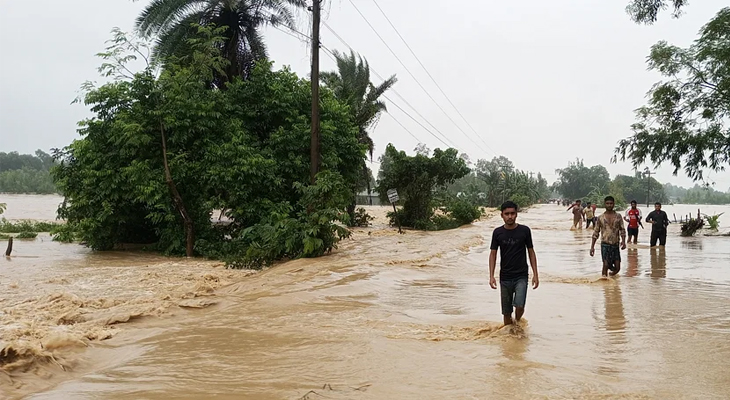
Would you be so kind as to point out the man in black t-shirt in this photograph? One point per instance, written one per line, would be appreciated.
(514, 243)
(659, 221)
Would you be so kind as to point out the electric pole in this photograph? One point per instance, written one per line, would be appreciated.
(648, 174)
(314, 151)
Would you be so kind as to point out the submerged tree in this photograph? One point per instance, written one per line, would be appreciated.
(173, 23)
(685, 121)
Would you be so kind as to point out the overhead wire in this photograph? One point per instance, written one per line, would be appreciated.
(414, 77)
(429, 75)
(445, 138)
(305, 38)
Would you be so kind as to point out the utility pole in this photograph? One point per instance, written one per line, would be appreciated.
(648, 174)
(314, 150)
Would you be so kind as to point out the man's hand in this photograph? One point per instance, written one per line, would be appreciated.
(492, 282)
(623, 245)
(593, 251)
(535, 282)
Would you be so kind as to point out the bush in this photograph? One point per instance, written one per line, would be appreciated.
(27, 235)
(64, 233)
(361, 218)
(26, 226)
(462, 211)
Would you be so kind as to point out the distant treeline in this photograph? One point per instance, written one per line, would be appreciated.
(26, 173)
(696, 195)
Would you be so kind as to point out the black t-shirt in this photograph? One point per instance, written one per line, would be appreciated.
(513, 245)
(660, 218)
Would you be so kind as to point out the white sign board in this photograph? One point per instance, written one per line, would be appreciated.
(392, 195)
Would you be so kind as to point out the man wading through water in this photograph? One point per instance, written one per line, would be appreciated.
(578, 216)
(659, 221)
(514, 242)
(610, 226)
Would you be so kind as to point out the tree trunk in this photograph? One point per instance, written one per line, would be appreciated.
(177, 199)
(367, 179)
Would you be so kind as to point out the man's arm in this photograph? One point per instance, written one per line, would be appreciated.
(650, 217)
(533, 264)
(622, 231)
(596, 233)
(492, 267)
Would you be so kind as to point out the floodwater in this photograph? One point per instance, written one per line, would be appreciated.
(386, 316)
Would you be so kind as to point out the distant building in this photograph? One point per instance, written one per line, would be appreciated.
(363, 199)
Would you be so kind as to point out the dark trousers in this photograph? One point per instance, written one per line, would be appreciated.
(658, 234)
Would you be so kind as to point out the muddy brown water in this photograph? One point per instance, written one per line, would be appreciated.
(387, 316)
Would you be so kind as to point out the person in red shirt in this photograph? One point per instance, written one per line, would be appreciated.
(633, 217)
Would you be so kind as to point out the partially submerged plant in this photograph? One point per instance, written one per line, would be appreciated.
(713, 221)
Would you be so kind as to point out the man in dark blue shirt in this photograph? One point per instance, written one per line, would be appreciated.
(514, 242)
(659, 221)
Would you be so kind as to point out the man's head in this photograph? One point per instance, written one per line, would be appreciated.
(609, 202)
(578, 201)
(657, 206)
(633, 204)
(588, 204)
(509, 212)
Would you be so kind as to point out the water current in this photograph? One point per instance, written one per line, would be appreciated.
(386, 316)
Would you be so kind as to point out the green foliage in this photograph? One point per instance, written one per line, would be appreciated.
(635, 188)
(361, 218)
(244, 150)
(685, 122)
(577, 181)
(26, 226)
(173, 24)
(4, 236)
(27, 235)
(64, 233)
(691, 227)
(416, 178)
(713, 221)
(25, 173)
(646, 11)
(3, 207)
(697, 195)
(462, 211)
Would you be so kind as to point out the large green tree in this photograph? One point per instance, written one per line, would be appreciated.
(417, 178)
(174, 22)
(685, 122)
(163, 150)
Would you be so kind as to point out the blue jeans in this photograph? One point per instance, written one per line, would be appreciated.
(513, 293)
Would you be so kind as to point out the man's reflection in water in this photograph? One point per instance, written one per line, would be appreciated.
(632, 260)
(658, 262)
(613, 347)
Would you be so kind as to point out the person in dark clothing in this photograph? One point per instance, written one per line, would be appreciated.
(659, 221)
(515, 244)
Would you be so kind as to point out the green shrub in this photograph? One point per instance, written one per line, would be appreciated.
(26, 226)
(4, 236)
(64, 233)
(27, 235)
(361, 218)
(713, 221)
(462, 211)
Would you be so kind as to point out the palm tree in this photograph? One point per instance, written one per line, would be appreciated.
(351, 85)
(173, 22)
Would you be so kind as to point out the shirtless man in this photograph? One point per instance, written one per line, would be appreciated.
(578, 216)
(610, 226)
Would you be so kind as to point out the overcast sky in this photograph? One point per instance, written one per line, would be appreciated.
(542, 82)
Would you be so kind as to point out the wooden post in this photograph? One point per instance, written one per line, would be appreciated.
(396, 218)
(10, 247)
(314, 141)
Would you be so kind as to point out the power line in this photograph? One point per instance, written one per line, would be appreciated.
(330, 54)
(429, 74)
(414, 77)
(395, 91)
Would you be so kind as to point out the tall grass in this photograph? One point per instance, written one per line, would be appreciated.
(26, 226)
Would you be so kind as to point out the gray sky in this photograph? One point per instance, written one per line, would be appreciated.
(543, 82)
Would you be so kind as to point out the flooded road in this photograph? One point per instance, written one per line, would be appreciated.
(409, 316)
